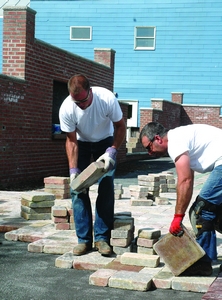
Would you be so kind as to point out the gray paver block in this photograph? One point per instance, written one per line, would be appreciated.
(89, 176)
(194, 284)
(37, 196)
(147, 233)
(138, 259)
(141, 202)
(179, 253)
(120, 250)
(131, 281)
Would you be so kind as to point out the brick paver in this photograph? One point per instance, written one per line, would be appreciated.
(43, 237)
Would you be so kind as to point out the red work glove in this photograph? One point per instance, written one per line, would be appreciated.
(176, 227)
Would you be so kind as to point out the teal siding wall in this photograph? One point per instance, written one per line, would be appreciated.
(187, 57)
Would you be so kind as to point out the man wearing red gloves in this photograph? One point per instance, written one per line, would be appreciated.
(196, 147)
(88, 116)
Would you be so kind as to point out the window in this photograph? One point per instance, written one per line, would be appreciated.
(144, 38)
(60, 92)
(81, 33)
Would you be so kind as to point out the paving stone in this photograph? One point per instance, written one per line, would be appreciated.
(197, 284)
(137, 259)
(162, 200)
(65, 261)
(147, 233)
(120, 250)
(60, 219)
(38, 216)
(59, 211)
(116, 265)
(37, 210)
(151, 271)
(89, 176)
(148, 178)
(92, 261)
(40, 204)
(141, 202)
(145, 250)
(56, 180)
(179, 253)
(134, 188)
(123, 223)
(37, 246)
(122, 214)
(64, 203)
(42, 223)
(31, 234)
(101, 277)
(58, 247)
(37, 196)
(61, 187)
(130, 281)
(118, 233)
(163, 279)
(146, 242)
(122, 242)
(62, 226)
(12, 235)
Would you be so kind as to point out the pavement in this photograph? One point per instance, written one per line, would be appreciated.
(37, 262)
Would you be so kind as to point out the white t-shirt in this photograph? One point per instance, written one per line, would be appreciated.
(95, 123)
(203, 142)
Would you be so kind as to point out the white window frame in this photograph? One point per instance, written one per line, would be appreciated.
(148, 37)
(81, 39)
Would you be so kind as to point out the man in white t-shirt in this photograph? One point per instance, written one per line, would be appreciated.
(88, 116)
(196, 147)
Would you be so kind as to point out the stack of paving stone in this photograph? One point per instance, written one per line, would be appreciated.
(146, 239)
(118, 191)
(122, 235)
(59, 186)
(139, 196)
(170, 182)
(36, 205)
(62, 215)
(152, 183)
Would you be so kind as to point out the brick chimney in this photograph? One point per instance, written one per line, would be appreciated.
(177, 97)
(105, 56)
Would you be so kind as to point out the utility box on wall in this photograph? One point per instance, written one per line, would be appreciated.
(132, 120)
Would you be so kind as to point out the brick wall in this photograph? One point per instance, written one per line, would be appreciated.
(29, 153)
(175, 113)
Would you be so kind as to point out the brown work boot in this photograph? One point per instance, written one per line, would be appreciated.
(199, 268)
(103, 248)
(81, 249)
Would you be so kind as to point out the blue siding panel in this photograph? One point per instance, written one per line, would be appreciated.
(187, 57)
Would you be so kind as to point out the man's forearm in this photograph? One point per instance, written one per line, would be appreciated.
(184, 195)
(119, 135)
(72, 153)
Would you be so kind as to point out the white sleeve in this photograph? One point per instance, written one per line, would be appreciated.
(67, 122)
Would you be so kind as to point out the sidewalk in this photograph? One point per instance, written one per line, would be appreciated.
(41, 236)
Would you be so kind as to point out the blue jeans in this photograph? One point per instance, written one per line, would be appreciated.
(104, 208)
(211, 192)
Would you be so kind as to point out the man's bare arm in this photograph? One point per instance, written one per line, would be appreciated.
(72, 149)
(185, 180)
(120, 133)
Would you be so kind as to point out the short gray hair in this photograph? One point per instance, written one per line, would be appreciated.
(151, 129)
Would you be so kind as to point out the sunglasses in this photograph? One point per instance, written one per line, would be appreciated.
(150, 146)
(83, 100)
